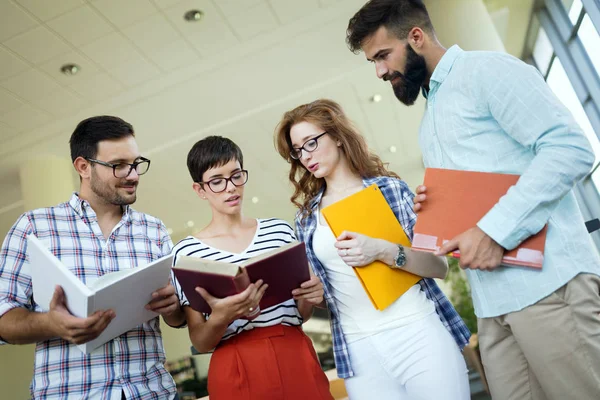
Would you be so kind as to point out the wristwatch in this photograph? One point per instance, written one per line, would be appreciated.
(400, 259)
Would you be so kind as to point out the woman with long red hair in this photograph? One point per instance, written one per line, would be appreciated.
(412, 349)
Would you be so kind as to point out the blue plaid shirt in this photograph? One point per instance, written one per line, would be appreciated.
(400, 199)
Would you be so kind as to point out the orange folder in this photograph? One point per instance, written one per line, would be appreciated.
(367, 212)
(456, 201)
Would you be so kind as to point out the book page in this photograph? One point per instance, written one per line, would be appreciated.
(108, 279)
(207, 266)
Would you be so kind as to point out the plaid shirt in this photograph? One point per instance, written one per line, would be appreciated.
(400, 199)
(132, 362)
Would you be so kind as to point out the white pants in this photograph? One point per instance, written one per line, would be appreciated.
(419, 361)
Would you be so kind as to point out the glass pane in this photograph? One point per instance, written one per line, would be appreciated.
(591, 41)
(542, 51)
(574, 8)
(561, 86)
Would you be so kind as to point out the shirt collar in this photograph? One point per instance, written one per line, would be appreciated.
(442, 69)
(83, 208)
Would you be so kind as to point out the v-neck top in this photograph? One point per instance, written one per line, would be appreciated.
(270, 234)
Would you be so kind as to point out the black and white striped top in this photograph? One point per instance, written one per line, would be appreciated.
(270, 234)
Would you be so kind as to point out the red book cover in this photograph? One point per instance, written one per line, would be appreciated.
(456, 201)
(283, 269)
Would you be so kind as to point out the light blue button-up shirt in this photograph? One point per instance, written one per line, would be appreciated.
(491, 112)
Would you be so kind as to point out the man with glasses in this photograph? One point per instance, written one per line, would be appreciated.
(94, 233)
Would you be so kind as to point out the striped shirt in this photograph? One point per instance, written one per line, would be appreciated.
(132, 363)
(400, 199)
(270, 234)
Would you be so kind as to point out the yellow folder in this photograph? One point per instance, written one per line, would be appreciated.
(368, 213)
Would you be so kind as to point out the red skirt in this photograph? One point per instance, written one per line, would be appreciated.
(273, 363)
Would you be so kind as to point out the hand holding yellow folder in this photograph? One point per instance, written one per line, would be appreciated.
(368, 213)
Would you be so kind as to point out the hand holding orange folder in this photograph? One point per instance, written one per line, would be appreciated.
(456, 201)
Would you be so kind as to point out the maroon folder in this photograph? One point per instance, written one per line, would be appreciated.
(283, 269)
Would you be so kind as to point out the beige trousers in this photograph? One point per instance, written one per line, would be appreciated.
(549, 350)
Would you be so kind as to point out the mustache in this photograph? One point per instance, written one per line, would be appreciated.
(390, 77)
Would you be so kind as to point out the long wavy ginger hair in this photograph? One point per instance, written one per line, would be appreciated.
(329, 116)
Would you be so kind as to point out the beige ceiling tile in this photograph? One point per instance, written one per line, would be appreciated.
(37, 45)
(30, 84)
(8, 102)
(289, 11)
(124, 13)
(135, 71)
(60, 102)
(26, 117)
(45, 10)
(233, 7)
(80, 26)
(151, 33)
(173, 55)
(14, 20)
(11, 64)
(253, 21)
(7, 132)
(210, 35)
(98, 87)
(110, 51)
(162, 4)
(87, 67)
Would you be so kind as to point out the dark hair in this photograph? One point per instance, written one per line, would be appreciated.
(210, 152)
(398, 16)
(89, 132)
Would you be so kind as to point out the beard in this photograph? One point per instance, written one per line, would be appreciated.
(110, 194)
(409, 84)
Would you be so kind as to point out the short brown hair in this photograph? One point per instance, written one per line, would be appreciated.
(398, 16)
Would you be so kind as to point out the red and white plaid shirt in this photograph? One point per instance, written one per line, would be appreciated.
(132, 363)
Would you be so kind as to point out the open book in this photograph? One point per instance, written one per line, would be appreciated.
(283, 269)
(126, 292)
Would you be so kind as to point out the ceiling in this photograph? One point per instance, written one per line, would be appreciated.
(233, 73)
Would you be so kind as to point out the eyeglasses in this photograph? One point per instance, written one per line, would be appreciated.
(123, 170)
(308, 146)
(218, 185)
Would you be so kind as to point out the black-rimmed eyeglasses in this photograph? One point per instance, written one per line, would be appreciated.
(123, 170)
(309, 146)
(218, 185)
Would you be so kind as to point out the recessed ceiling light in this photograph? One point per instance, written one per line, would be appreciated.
(70, 69)
(193, 15)
(255, 199)
(169, 231)
(190, 224)
(376, 98)
(393, 149)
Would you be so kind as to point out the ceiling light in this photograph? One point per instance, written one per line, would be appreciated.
(70, 69)
(190, 224)
(255, 199)
(393, 149)
(376, 98)
(193, 15)
(169, 231)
